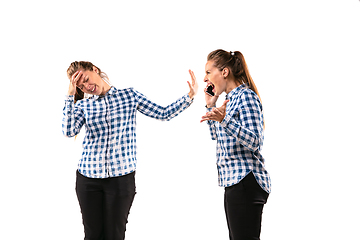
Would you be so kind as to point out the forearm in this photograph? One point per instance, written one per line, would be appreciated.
(177, 107)
(246, 137)
(71, 122)
(153, 110)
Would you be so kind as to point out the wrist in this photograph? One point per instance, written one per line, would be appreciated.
(210, 105)
(191, 95)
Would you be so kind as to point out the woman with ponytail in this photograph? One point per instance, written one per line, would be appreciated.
(238, 127)
(105, 178)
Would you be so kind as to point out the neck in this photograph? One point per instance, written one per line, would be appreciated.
(231, 85)
(106, 88)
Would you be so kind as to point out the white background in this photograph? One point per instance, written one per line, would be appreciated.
(303, 57)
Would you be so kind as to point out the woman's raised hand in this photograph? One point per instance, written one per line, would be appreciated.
(74, 78)
(193, 85)
(216, 114)
(210, 100)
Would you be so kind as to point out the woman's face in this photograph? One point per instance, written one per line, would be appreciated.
(215, 78)
(90, 82)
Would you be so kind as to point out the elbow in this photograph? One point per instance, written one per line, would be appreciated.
(164, 118)
(255, 144)
(252, 144)
(253, 147)
(213, 136)
(68, 133)
(251, 140)
(167, 117)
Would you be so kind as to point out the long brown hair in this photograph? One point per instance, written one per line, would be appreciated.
(85, 66)
(236, 64)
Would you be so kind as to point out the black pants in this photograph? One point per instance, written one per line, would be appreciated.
(105, 205)
(244, 204)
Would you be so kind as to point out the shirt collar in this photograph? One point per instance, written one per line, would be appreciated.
(110, 92)
(236, 90)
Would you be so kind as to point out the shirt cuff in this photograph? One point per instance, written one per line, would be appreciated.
(69, 97)
(209, 109)
(188, 99)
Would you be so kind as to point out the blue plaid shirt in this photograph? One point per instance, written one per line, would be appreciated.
(239, 139)
(109, 147)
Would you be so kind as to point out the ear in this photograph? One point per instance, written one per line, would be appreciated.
(225, 72)
(95, 70)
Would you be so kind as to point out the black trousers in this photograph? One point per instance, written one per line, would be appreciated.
(105, 205)
(244, 204)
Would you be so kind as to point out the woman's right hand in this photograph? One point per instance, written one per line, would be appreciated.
(210, 100)
(74, 78)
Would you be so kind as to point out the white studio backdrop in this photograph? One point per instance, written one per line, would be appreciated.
(303, 57)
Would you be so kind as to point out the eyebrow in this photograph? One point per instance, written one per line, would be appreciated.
(81, 79)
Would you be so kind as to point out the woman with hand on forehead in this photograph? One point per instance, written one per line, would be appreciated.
(238, 127)
(105, 179)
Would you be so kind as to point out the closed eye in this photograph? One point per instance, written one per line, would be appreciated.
(82, 86)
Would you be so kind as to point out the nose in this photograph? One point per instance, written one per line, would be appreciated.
(87, 86)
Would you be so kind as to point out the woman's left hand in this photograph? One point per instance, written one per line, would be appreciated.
(193, 85)
(216, 114)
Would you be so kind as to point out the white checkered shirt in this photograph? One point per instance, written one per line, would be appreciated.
(239, 139)
(109, 147)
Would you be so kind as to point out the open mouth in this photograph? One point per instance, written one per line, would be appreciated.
(93, 90)
(210, 89)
